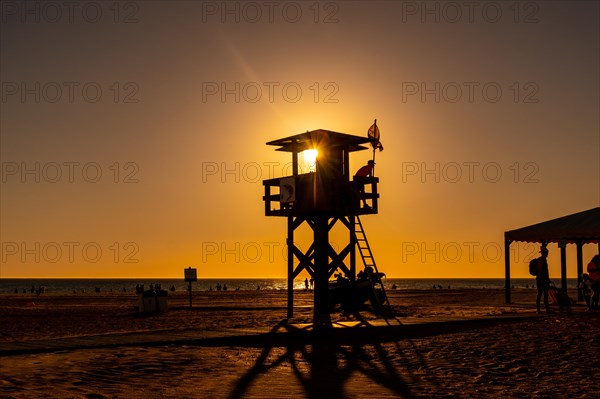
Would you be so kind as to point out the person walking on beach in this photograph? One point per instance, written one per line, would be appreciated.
(593, 269)
(542, 279)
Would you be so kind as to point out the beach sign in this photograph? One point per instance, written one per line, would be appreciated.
(287, 190)
(190, 274)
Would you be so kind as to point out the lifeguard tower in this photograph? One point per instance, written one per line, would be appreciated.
(322, 198)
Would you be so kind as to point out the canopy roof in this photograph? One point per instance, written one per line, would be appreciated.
(583, 226)
(320, 138)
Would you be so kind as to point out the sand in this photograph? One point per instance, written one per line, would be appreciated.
(442, 343)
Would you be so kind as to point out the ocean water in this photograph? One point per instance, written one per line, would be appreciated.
(8, 286)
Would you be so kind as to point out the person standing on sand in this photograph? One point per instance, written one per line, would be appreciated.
(586, 289)
(542, 279)
(593, 269)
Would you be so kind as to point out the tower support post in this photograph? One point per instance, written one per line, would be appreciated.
(321, 265)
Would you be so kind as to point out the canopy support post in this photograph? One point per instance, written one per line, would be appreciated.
(579, 268)
(563, 267)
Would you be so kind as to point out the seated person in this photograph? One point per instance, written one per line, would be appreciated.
(359, 178)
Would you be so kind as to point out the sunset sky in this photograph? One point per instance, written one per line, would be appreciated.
(133, 133)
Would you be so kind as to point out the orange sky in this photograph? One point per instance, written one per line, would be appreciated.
(133, 141)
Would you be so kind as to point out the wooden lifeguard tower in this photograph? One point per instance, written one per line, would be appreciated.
(321, 199)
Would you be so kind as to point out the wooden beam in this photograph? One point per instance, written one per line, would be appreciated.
(290, 282)
(267, 199)
(507, 271)
(332, 223)
(298, 222)
(321, 265)
(375, 195)
(351, 228)
(294, 160)
(347, 221)
(338, 260)
(346, 155)
(305, 261)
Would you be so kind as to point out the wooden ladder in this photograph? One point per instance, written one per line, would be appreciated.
(368, 260)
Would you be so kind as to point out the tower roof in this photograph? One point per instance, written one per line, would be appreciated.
(320, 138)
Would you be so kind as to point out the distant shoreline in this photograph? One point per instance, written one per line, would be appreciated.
(80, 286)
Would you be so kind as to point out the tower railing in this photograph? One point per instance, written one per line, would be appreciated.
(356, 197)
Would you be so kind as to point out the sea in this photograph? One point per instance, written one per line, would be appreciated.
(78, 286)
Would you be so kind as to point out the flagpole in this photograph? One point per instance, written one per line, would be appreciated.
(374, 148)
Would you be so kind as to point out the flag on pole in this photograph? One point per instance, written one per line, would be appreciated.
(373, 134)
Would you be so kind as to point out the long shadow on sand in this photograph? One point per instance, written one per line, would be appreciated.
(324, 361)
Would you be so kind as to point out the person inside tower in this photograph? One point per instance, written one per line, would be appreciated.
(360, 178)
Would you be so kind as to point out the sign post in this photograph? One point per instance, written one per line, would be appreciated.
(190, 275)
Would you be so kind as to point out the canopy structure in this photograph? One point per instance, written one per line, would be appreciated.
(315, 138)
(579, 228)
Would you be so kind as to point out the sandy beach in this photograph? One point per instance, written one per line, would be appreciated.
(440, 343)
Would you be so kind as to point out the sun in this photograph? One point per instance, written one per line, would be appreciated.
(310, 158)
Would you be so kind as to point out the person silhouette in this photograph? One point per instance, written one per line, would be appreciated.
(586, 289)
(542, 279)
(593, 269)
(360, 178)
